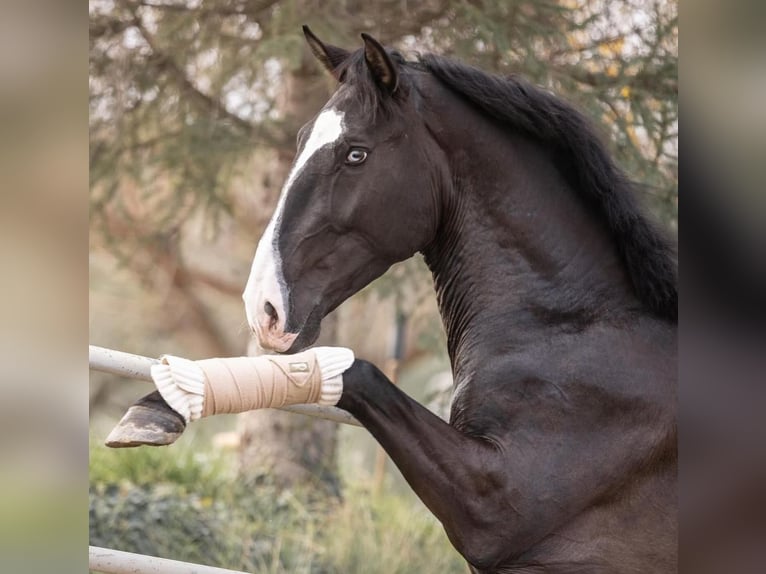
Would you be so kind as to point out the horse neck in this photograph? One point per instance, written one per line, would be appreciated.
(518, 255)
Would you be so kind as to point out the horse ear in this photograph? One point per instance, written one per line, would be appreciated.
(330, 56)
(380, 64)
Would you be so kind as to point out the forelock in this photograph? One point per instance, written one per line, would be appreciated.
(368, 96)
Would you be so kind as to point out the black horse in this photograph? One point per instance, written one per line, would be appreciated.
(558, 297)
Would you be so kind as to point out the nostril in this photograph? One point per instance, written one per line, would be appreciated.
(269, 309)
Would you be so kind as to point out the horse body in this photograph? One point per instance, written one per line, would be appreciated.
(558, 299)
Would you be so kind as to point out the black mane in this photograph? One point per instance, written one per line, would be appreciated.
(579, 153)
(584, 160)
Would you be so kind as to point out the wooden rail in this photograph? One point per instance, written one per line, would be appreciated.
(118, 562)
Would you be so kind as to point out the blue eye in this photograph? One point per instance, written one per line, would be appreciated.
(356, 156)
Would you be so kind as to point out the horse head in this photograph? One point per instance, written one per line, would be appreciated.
(362, 194)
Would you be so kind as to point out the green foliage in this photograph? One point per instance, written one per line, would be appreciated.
(186, 464)
(185, 504)
(162, 521)
(381, 535)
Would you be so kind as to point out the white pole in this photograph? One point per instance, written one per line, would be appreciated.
(138, 367)
(118, 562)
(120, 363)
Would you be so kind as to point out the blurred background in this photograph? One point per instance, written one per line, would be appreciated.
(194, 107)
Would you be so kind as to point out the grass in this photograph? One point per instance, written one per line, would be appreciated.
(184, 502)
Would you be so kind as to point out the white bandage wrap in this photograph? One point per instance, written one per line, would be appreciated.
(196, 389)
(181, 383)
(333, 362)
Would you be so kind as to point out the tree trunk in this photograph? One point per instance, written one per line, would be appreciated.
(284, 448)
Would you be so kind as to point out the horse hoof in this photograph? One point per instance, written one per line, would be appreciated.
(148, 422)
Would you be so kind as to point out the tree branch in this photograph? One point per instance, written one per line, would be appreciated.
(165, 62)
(654, 81)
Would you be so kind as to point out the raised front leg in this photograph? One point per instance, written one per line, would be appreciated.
(455, 475)
(189, 390)
(499, 496)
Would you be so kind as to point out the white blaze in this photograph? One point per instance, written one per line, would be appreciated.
(266, 281)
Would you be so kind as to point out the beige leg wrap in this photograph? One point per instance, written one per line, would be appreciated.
(197, 389)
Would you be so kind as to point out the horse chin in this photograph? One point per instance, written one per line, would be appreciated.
(307, 337)
(308, 333)
(302, 343)
(279, 344)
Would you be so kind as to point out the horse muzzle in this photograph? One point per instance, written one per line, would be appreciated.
(267, 324)
(266, 308)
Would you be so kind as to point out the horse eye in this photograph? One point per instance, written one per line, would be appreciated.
(356, 156)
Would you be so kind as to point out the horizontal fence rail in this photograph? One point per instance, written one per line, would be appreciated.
(138, 367)
(118, 562)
